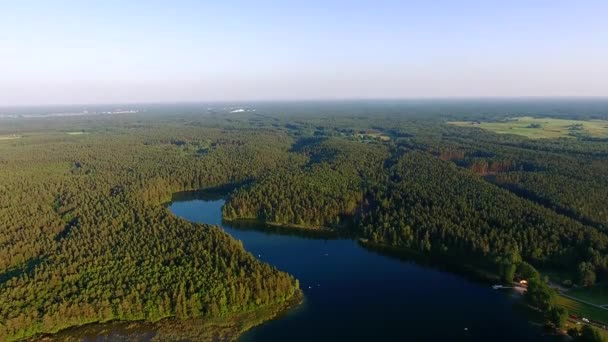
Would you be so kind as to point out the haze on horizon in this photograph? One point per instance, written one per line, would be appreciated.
(153, 51)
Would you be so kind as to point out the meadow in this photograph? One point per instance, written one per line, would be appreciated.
(539, 128)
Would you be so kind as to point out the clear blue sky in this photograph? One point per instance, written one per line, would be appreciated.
(140, 51)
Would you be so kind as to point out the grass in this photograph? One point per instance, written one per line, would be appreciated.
(603, 332)
(373, 136)
(557, 276)
(584, 310)
(541, 128)
(597, 294)
(10, 137)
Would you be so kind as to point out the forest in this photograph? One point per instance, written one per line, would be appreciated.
(86, 238)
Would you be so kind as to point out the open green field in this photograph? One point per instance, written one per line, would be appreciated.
(584, 310)
(9, 137)
(538, 128)
(373, 136)
(597, 294)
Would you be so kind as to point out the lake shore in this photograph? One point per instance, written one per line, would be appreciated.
(171, 329)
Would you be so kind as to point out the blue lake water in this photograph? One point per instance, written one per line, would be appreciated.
(353, 293)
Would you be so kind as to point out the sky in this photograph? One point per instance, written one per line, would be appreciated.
(86, 52)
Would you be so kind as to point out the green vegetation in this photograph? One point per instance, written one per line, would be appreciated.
(586, 334)
(10, 137)
(539, 128)
(226, 328)
(322, 186)
(583, 310)
(370, 135)
(597, 295)
(541, 297)
(86, 239)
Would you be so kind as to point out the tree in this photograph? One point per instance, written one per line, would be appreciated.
(527, 271)
(573, 332)
(586, 274)
(507, 264)
(540, 295)
(558, 316)
(586, 334)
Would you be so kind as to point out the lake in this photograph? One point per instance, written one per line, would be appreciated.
(353, 293)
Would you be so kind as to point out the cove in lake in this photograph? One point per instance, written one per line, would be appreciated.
(353, 293)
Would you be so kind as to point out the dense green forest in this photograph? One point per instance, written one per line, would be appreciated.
(324, 186)
(432, 204)
(86, 238)
(435, 187)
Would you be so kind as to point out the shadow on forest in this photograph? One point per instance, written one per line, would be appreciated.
(208, 194)
(443, 262)
(307, 233)
(25, 268)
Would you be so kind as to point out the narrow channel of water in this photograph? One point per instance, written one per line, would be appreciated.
(355, 294)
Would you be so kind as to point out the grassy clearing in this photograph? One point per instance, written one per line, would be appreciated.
(557, 277)
(584, 310)
(539, 128)
(597, 294)
(604, 333)
(373, 136)
(10, 137)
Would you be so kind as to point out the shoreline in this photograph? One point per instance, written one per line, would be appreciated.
(229, 327)
(172, 329)
(465, 269)
(277, 224)
(452, 263)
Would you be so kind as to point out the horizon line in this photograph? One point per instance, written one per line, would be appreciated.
(312, 100)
